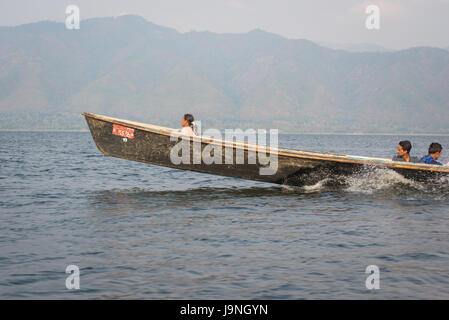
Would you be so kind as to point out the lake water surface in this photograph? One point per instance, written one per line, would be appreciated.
(138, 231)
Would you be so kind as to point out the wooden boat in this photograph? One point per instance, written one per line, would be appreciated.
(152, 144)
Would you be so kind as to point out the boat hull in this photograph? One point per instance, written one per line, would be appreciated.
(154, 146)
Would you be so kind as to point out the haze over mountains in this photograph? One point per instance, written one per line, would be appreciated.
(131, 68)
(359, 47)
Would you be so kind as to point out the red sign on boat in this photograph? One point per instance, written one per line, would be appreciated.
(123, 131)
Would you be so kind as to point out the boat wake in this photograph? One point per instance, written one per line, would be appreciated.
(378, 179)
(374, 180)
(320, 185)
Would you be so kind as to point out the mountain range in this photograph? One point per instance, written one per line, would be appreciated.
(130, 68)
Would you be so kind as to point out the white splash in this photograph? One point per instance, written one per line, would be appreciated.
(376, 179)
(316, 187)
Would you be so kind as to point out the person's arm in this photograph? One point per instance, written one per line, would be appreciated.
(433, 161)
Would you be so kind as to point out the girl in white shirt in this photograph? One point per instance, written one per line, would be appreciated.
(188, 125)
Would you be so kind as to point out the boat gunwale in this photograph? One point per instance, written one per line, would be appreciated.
(312, 155)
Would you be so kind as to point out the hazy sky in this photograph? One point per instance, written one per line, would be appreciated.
(403, 23)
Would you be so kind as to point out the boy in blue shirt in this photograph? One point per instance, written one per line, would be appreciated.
(434, 153)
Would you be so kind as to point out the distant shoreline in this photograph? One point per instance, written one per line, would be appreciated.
(295, 133)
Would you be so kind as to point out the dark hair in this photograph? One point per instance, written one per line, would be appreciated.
(189, 118)
(406, 145)
(435, 147)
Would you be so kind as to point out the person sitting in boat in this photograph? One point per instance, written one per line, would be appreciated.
(434, 153)
(188, 125)
(403, 151)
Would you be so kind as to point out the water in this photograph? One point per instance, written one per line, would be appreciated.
(144, 232)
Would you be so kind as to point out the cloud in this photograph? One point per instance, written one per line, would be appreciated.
(237, 4)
